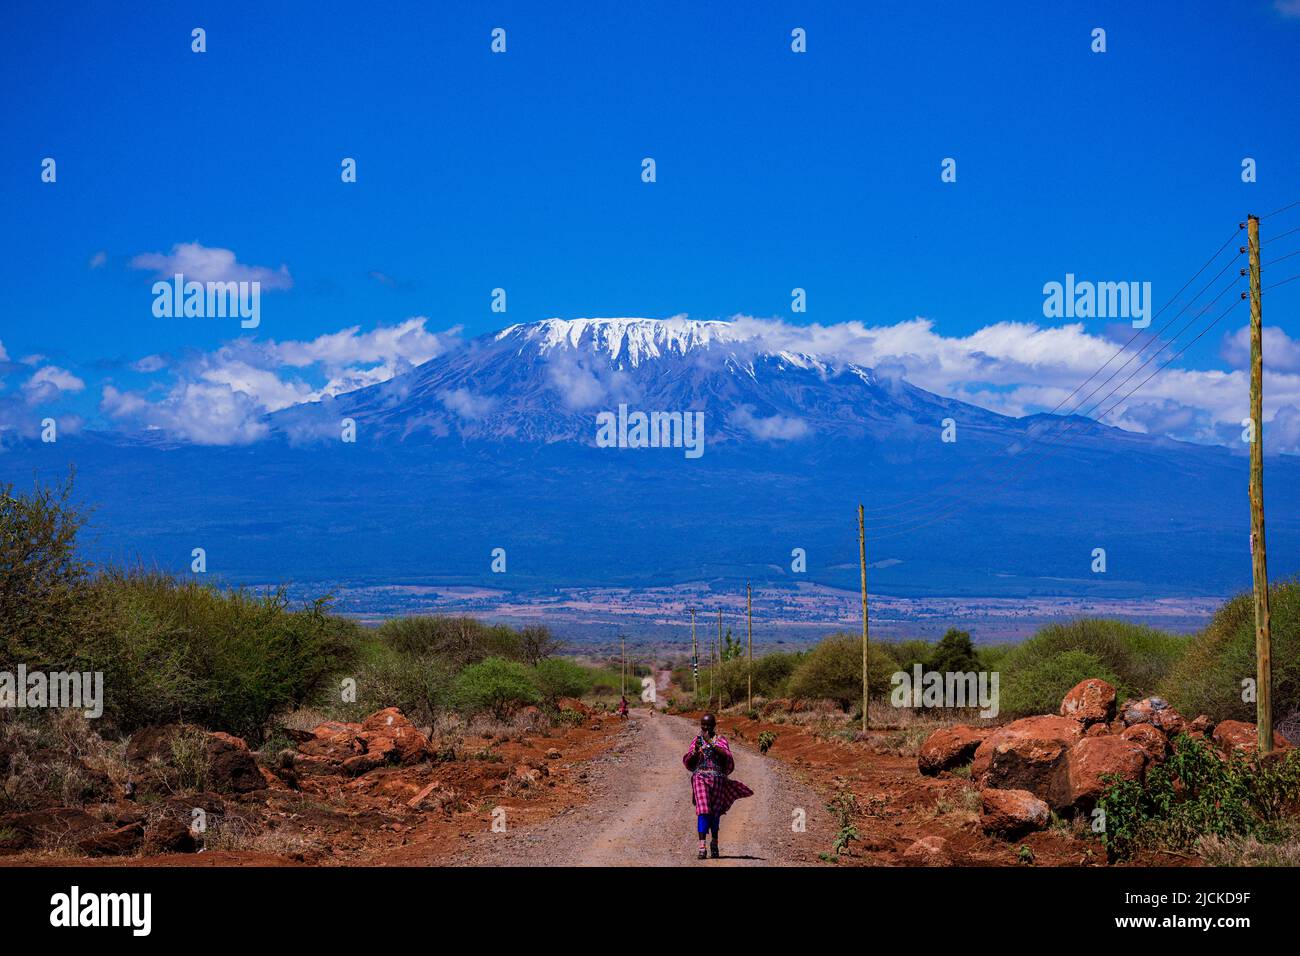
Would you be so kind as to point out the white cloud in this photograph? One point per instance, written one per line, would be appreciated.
(1281, 352)
(407, 342)
(49, 382)
(221, 397)
(1287, 8)
(772, 428)
(196, 412)
(1021, 368)
(466, 404)
(200, 263)
(149, 364)
(98, 259)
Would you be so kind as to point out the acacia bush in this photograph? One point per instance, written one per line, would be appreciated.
(495, 685)
(1036, 674)
(1198, 793)
(1208, 679)
(833, 670)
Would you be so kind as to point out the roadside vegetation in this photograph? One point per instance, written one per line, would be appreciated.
(175, 650)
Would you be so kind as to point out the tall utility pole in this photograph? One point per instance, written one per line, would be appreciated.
(749, 615)
(862, 553)
(623, 641)
(717, 657)
(1258, 559)
(695, 658)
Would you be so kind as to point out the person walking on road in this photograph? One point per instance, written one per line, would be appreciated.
(713, 791)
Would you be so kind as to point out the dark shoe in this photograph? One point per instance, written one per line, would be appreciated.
(704, 854)
(713, 849)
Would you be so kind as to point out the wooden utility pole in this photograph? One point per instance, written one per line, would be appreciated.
(749, 615)
(717, 658)
(862, 553)
(623, 642)
(695, 658)
(1258, 558)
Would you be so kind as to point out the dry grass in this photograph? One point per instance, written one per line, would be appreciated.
(964, 804)
(1217, 851)
(56, 759)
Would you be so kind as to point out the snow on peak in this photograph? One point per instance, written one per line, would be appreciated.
(630, 340)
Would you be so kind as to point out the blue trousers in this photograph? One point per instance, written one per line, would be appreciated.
(708, 823)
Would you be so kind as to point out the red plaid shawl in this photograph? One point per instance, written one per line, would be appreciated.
(712, 790)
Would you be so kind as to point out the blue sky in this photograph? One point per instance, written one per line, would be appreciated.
(522, 170)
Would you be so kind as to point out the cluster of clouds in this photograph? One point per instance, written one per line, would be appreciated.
(1015, 368)
(39, 383)
(1018, 368)
(222, 397)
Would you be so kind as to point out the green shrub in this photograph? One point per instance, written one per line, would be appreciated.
(1208, 678)
(833, 670)
(460, 641)
(1037, 673)
(495, 685)
(419, 685)
(556, 677)
(1197, 793)
(1037, 686)
(954, 654)
(227, 660)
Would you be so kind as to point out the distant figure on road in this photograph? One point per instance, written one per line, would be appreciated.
(709, 760)
(622, 706)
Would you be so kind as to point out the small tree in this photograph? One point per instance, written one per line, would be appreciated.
(556, 677)
(954, 654)
(495, 685)
(42, 581)
(536, 643)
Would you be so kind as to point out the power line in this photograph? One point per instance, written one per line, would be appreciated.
(1077, 409)
(1290, 205)
(1280, 258)
(1054, 448)
(893, 510)
(1281, 235)
(1283, 282)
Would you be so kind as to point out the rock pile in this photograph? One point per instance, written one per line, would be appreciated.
(1030, 767)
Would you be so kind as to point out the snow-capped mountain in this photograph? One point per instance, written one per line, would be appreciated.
(547, 381)
(497, 444)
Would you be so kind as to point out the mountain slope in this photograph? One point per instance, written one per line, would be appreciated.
(494, 446)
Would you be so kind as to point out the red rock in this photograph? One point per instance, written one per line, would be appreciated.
(1243, 737)
(1012, 813)
(1098, 730)
(332, 728)
(1169, 721)
(1154, 743)
(1089, 701)
(949, 747)
(1201, 725)
(149, 743)
(389, 732)
(339, 745)
(58, 826)
(168, 835)
(1079, 782)
(231, 765)
(1024, 754)
(114, 842)
(363, 763)
(415, 802)
(928, 851)
(1142, 711)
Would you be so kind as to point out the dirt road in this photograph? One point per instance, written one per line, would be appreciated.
(640, 812)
